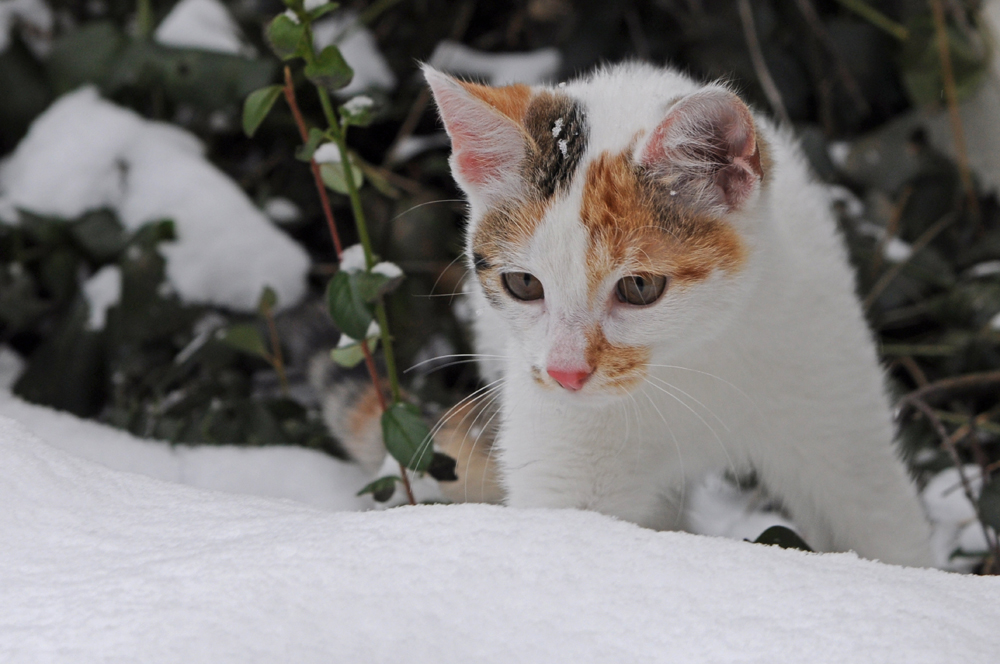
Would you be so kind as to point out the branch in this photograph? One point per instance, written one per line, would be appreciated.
(759, 65)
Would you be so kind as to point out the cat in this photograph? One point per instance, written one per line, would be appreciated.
(660, 291)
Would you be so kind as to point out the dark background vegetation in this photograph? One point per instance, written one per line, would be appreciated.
(839, 76)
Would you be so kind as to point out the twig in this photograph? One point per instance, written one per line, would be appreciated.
(894, 271)
(940, 388)
(276, 357)
(912, 368)
(759, 65)
(320, 187)
(808, 12)
(892, 227)
(951, 97)
(877, 18)
(942, 433)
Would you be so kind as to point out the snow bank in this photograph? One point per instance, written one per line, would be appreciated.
(85, 153)
(497, 68)
(100, 565)
(34, 13)
(307, 476)
(204, 24)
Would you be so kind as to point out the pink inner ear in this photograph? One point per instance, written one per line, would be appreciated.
(487, 146)
(706, 151)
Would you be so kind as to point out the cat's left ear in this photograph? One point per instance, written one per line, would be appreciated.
(706, 151)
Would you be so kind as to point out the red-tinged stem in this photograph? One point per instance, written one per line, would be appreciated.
(320, 187)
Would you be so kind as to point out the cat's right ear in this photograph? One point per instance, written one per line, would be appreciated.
(707, 152)
(488, 139)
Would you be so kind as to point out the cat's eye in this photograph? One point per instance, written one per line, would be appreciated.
(640, 289)
(523, 286)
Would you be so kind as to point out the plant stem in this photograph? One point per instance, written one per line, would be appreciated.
(317, 178)
(276, 358)
(951, 97)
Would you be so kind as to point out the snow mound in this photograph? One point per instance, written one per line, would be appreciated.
(84, 153)
(532, 67)
(204, 24)
(100, 565)
(306, 476)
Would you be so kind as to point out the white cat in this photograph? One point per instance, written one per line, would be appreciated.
(670, 296)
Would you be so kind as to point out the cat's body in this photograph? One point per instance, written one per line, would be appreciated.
(755, 355)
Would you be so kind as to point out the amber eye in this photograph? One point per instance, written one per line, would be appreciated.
(523, 286)
(641, 289)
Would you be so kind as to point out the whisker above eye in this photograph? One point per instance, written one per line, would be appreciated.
(471, 356)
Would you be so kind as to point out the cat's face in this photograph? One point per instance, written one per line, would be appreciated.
(603, 261)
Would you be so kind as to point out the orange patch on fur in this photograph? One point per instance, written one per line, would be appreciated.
(501, 229)
(634, 224)
(363, 412)
(616, 366)
(509, 100)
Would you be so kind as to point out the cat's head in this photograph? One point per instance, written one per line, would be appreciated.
(608, 233)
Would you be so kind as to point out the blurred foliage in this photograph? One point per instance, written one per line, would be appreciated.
(160, 368)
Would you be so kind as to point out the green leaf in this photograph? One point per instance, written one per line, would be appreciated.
(783, 537)
(246, 338)
(333, 176)
(257, 106)
(305, 152)
(373, 285)
(99, 235)
(329, 70)
(322, 10)
(267, 302)
(382, 488)
(348, 308)
(287, 37)
(407, 436)
(989, 505)
(352, 355)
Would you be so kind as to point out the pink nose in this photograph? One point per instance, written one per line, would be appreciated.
(571, 380)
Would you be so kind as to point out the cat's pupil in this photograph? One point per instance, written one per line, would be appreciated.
(640, 290)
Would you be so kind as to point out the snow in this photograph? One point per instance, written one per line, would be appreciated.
(32, 12)
(411, 146)
(359, 104)
(897, 251)
(282, 210)
(307, 476)
(387, 269)
(102, 290)
(497, 68)
(202, 24)
(84, 153)
(328, 153)
(104, 565)
(358, 46)
(352, 259)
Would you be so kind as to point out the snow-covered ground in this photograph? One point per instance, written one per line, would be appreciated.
(105, 565)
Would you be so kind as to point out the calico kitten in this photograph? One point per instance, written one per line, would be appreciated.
(668, 293)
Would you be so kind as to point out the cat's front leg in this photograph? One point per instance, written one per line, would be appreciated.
(561, 457)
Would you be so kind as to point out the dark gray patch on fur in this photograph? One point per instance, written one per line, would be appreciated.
(558, 126)
(480, 263)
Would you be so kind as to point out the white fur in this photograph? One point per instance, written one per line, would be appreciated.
(775, 367)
